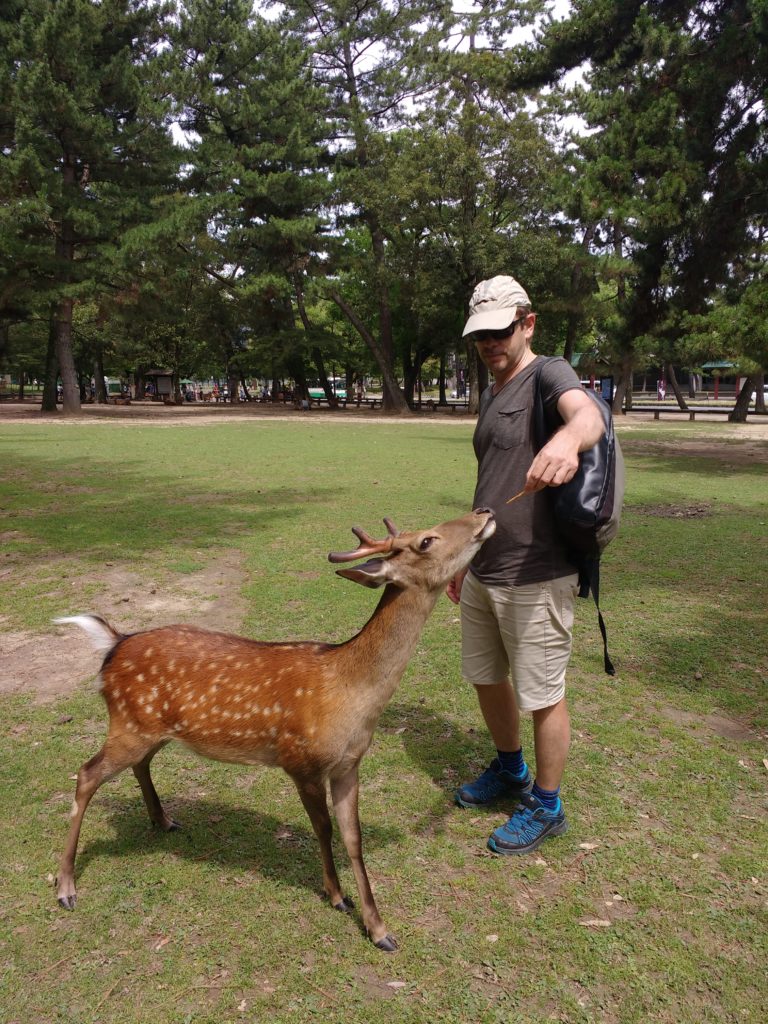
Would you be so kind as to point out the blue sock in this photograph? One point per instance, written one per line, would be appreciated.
(550, 798)
(513, 762)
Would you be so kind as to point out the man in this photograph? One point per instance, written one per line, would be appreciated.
(517, 596)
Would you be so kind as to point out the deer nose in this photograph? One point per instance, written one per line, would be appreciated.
(484, 511)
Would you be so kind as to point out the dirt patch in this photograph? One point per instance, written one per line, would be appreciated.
(373, 986)
(675, 511)
(720, 725)
(745, 445)
(51, 664)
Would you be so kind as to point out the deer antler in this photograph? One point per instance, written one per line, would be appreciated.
(368, 545)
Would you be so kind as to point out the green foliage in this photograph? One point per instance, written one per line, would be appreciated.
(381, 158)
(674, 162)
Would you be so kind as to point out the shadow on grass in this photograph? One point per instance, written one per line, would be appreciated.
(444, 752)
(238, 839)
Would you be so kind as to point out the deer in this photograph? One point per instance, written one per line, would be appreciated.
(308, 707)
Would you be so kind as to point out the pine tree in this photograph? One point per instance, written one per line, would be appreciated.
(675, 164)
(372, 58)
(88, 152)
(255, 165)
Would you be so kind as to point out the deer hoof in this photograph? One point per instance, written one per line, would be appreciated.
(345, 905)
(68, 902)
(388, 944)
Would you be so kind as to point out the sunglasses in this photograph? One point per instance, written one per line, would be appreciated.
(499, 335)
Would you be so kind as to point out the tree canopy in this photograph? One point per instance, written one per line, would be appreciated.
(244, 190)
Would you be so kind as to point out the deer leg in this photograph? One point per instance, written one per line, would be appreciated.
(344, 791)
(151, 799)
(117, 754)
(315, 804)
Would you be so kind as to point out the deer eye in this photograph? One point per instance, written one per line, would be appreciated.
(426, 543)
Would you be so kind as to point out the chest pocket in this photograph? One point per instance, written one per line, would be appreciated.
(511, 428)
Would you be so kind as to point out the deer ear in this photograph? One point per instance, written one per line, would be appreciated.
(375, 573)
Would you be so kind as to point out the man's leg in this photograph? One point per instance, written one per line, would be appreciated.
(484, 658)
(502, 716)
(507, 775)
(551, 741)
(539, 648)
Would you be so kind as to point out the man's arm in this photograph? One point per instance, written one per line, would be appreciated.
(558, 460)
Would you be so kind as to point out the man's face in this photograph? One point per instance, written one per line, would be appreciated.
(502, 351)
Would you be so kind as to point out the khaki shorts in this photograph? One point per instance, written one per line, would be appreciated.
(524, 631)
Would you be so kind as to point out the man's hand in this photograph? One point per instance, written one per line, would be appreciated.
(453, 590)
(555, 464)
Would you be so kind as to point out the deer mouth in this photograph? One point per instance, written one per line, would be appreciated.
(487, 529)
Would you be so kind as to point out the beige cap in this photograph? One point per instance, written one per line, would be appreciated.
(494, 303)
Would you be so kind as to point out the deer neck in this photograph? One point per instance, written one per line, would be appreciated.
(383, 647)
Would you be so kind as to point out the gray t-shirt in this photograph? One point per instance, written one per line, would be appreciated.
(525, 547)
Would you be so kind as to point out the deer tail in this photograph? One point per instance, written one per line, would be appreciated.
(103, 637)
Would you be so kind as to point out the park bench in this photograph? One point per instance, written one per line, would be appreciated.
(690, 413)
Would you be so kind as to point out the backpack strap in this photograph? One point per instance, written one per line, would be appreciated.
(589, 582)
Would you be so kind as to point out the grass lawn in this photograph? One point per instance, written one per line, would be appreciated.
(651, 908)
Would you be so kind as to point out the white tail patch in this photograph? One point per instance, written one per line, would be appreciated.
(103, 637)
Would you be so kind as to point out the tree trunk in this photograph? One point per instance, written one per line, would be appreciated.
(442, 400)
(62, 326)
(738, 413)
(50, 386)
(322, 374)
(98, 376)
(139, 384)
(393, 398)
(760, 392)
(575, 314)
(622, 399)
(671, 376)
(65, 254)
(477, 379)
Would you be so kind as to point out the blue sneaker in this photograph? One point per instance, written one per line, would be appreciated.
(528, 827)
(493, 784)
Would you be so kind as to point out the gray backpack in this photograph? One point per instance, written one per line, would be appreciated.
(587, 509)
